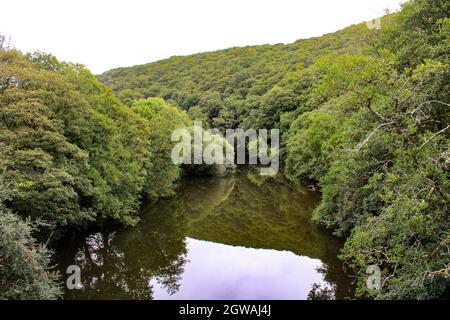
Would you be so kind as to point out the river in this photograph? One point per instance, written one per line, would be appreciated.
(239, 237)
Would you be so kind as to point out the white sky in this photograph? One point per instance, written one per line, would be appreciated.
(104, 34)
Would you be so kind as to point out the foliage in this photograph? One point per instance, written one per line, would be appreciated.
(72, 153)
(238, 86)
(161, 119)
(25, 272)
(409, 238)
(382, 156)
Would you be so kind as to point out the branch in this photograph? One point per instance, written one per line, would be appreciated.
(361, 144)
(376, 113)
(369, 103)
(389, 276)
(426, 102)
(434, 136)
(413, 90)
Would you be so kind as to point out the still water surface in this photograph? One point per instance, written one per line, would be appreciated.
(240, 237)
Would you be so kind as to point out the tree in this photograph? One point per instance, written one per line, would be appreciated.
(161, 119)
(25, 271)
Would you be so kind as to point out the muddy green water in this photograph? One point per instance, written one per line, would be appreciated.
(240, 237)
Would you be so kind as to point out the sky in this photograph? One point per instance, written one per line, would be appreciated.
(106, 34)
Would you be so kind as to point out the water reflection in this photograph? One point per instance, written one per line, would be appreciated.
(216, 271)
(241, 237)
(119, 264)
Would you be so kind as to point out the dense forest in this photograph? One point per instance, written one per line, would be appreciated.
(71, 155)
(363, 114)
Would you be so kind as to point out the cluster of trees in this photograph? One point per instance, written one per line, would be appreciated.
(378, 146)
(237, 87)
(363, 113)
(71, 154)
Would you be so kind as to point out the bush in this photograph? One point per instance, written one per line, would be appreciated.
(24, 265)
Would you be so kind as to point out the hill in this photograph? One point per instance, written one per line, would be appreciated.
(233, 87)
